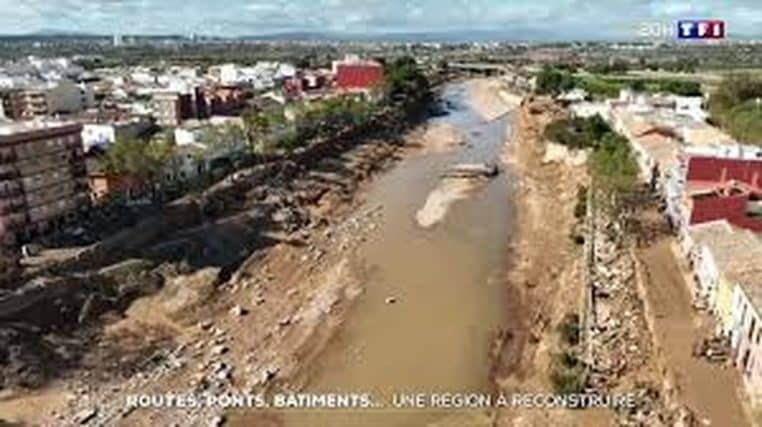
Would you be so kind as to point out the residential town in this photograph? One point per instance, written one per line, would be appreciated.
(319, 225)
(707, 183)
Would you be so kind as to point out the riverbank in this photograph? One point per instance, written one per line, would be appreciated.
(260, 326)
(545, 275)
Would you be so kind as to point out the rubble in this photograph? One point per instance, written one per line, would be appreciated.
(85, 416)
(238, 311)
(219, 350)
(713, 349)
(618, 335)
(472, 170)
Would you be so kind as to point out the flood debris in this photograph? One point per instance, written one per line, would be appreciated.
(238, 311)
(618, 336)
(472, 170)
(713, 349)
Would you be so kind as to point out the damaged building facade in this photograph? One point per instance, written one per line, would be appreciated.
(43, 177)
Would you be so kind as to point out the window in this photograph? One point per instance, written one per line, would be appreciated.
(751, 327)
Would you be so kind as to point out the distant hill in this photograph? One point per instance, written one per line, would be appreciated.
(513, 33)
(424, 36)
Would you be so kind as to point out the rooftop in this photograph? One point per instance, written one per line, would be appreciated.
(734, 250)
(720, 170)
(13, 128)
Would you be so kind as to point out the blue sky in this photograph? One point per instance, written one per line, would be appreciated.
(560, 19)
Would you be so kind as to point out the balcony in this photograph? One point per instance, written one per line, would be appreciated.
(7, 157)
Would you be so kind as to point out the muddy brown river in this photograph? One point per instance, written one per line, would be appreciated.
(446, 281)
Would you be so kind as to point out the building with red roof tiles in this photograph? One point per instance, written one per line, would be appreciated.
(711, 171)
(355, 75)
(737, 209)
(715, 188)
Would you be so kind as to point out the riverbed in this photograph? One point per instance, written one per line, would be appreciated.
(433, 296)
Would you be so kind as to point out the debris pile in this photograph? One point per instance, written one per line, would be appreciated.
(472, 170)
(619, 337)
(713, 349)
(619, 334)
(650, 410)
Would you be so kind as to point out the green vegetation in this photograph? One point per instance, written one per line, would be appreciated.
(554, 80)
(737, 107)
(567, 381)
(222, 139)
(566, 371)
(142, 159)
(402, 77)
(577, 132)
(618, 66)
(580, 206)
(569, 329)
(267, 132)
(612, 163)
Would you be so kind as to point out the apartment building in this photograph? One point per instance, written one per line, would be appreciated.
(20, 104)
(43, 177)
(171, 108)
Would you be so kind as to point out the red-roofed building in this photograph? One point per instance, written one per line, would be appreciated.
(358, 76)
(717, 188)
(712, 171)
(736, 209)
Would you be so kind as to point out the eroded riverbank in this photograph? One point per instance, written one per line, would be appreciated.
(434, 297)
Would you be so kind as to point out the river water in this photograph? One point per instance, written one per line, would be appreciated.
(446, 281)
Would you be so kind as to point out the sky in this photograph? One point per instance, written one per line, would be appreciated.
(518, 19)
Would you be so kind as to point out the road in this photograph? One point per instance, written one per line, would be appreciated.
(709, 389)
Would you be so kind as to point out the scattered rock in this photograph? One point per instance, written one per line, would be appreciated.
(217, 421)
(206, 324)
(237, 310)
(219, 350)
(390, 300)
(85, 416)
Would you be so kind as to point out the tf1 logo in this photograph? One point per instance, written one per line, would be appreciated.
(701, 29)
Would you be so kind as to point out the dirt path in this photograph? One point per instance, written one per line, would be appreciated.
(709, 389)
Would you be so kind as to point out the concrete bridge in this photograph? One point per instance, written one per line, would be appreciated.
(480, 68)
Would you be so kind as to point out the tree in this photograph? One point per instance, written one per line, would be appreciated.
(141, 159)
(613, 165)
(680, 87)
(577, 132)
(403, 77)
(638, 85)
(736, 106)
(258, 129)
(551, 81)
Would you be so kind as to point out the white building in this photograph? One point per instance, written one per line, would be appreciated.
(590, 109)
(691, 106)
(103, 135)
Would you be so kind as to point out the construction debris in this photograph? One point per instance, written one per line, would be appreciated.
(618, 335)
(472, 170)
(714, 349)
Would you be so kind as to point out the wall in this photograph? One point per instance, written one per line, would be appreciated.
(744, 318)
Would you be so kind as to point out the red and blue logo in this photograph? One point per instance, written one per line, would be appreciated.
(701, 29)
